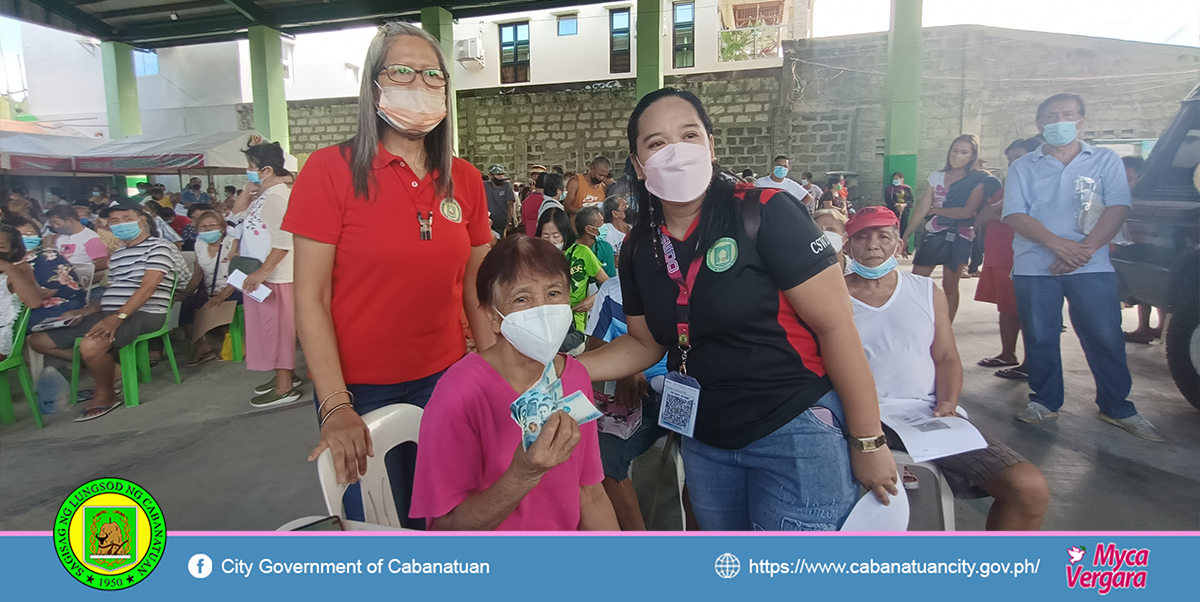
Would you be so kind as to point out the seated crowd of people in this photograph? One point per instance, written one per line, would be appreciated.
(98, 274)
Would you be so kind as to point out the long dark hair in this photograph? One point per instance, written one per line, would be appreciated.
(439, 143)
(718, 212)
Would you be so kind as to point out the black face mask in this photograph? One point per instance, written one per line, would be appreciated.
(195, 187)
(596, 181)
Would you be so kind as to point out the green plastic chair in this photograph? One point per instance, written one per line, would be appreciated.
(237, 334)
(134, 359)
(17, 362)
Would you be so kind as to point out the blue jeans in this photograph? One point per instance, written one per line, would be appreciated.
(401, 461)
(798, 478)
(1095, 309)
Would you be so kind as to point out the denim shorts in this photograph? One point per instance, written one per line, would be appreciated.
(798, 478)
(617, 454)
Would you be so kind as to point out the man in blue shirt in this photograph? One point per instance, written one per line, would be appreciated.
(192, 195)
(1057, 254)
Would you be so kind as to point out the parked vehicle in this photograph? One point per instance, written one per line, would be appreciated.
(1161, 263)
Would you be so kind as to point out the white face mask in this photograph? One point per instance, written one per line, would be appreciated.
(680, 172)
(835, 240)
(538, 332)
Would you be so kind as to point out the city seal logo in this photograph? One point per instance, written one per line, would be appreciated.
(722, 255)
(109, 534)
(452, 211)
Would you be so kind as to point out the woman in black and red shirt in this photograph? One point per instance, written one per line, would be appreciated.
(388, 226)
(763, 323)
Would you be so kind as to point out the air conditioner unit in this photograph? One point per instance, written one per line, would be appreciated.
(469, 52)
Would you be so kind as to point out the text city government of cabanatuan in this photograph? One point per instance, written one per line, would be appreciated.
(267, 566)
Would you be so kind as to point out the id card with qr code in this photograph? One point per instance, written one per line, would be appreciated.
(680, 399)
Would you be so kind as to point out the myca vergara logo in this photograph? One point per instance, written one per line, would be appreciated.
(1112, 568)
(109, 534)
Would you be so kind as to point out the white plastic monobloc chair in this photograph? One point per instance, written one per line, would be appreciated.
(945, 495)
(390, 426)
(674, 444)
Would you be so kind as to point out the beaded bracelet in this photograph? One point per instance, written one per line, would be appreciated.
(335, 408)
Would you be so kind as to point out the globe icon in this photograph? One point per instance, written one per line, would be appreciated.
(728, 566)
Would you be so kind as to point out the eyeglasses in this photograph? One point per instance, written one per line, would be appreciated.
(403, 74)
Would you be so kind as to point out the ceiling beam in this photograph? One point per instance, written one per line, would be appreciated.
(248, 9)
(76, 16)
(153, 11)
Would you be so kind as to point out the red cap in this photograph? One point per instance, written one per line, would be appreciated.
(870, 217)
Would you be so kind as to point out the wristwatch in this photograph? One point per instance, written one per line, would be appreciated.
(868, 444)
(122, 316)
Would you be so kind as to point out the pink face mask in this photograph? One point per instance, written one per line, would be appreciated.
(414, 111)
(680, 172)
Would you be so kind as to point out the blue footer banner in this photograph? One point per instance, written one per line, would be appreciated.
(303, 566)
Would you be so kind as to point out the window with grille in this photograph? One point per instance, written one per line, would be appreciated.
(619, 49)
(684, 35)
(753, 15)
(514, 53)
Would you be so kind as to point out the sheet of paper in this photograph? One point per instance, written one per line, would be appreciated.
(237, 278)
(210, 318)
(870, 515)
(925, 437)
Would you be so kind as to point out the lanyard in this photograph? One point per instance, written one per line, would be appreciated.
(685, 291)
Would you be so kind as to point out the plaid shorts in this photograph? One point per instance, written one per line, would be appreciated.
(967, 471)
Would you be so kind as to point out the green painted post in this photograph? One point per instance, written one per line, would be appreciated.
(903, 111)
(120, 90)
(120, 94)
(266, 84)
(649, 43)
(440, 24)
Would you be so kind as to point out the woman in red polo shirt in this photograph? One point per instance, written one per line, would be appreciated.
(387, 226)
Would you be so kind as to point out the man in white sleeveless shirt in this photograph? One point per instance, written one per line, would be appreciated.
(904, 322)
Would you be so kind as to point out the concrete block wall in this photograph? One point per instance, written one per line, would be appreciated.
(825, 107)
(569, 128)
(985, 81)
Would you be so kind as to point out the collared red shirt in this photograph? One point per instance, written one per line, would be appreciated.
(397, 300)
(1041, 187)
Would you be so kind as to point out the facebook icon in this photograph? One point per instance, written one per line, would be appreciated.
(200, 566)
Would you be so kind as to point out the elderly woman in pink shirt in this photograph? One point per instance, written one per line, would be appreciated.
(472, 470)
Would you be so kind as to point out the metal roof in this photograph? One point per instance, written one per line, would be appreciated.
(160, 23)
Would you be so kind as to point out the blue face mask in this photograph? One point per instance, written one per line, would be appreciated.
(253, 176)
(209, 237)
(876, 272)
(31, 242)
(1059, 134)
(85, 221)
(780, 171)
(897, 181)
(126, 231)
(804, 182)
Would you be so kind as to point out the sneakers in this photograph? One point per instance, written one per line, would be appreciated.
(1035, 413)
(1135, 425)
(269, 386)
(271, 398)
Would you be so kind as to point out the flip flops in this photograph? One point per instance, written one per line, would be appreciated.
(995, 362)
(201, 359)
(84, 416)
(1013, 374)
